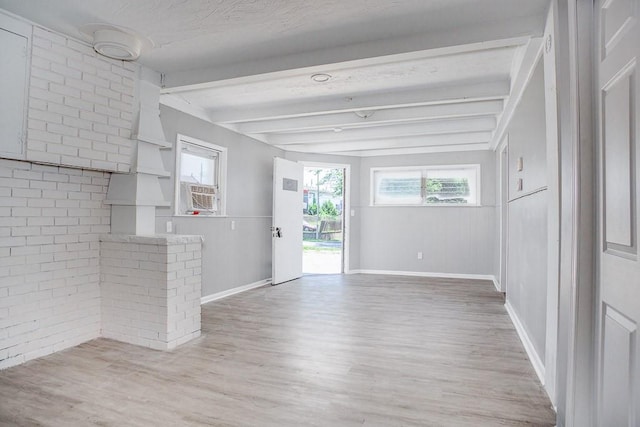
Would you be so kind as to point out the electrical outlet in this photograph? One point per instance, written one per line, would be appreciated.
(169, 227)
(233, 225)
(419, 255)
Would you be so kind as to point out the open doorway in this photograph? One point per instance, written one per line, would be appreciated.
(323, 220)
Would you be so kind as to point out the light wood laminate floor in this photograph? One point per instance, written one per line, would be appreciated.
(354, 350)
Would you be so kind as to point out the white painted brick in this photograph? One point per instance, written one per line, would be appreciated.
(69, 186)
(106, 129)
(63, 109)
(66, 71)
(76, 161)
(92, 154)
(105, 110)
(90, 116)
(124, 69)
(12, 222)
(12, 202)
(97, 80)
(39, 83)
(48, 35)
(46, 75)
(64, 89)
(49, 55)
(103, 165)
(26, 192)
(37, 156)
(40, 63)
(45, 185)
(41, 42)
(121, 106)
(98, 62)
(45, 95)
(79, 196)
(40, 221)
(79, 46)
(65, 51)
(66, 239)
(45, 116)
(82, 66)
(80, 104)
(93, 136)
(44, 136)
(110, 76)
(40, 203)
(108, 93)
(37, 124)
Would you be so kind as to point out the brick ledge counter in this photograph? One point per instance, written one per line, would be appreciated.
(151, 289)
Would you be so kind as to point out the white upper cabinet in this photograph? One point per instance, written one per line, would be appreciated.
(15, 39)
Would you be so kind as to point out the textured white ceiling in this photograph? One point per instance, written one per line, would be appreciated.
(462, 68)
(192, 34)
(437, 73)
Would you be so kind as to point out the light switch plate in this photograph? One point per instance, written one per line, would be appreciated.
(520, 164)
(519, 184)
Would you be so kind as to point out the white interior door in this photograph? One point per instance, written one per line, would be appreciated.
(619, 273)
(287, 220)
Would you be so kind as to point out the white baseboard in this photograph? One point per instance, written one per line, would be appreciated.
(496, 284)
(233, 291)
(526, 342)
(426, 274)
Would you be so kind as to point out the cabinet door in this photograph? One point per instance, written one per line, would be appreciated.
(14, 74)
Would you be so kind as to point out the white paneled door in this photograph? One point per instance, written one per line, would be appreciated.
(619, 277)
(287, 220)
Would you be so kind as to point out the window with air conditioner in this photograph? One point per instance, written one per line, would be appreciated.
(446, 185)
(200, 177)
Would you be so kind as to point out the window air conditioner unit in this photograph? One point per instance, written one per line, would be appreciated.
(201, 198)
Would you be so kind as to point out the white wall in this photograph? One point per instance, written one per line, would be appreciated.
(80, 111)
(527, 210)
(80, 105)
(454, 240)
(50, 222)
(230, 258)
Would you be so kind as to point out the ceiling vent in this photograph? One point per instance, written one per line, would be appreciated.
(116, 42)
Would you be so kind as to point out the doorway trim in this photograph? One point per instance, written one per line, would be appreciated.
(346, 211)
(503, 149)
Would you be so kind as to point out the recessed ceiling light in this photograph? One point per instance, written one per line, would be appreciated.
(321, 77)
(116, 42)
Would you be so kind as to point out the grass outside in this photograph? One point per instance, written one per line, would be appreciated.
(319, 245)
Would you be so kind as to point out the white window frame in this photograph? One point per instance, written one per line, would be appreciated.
(221, 175)
(424, 169)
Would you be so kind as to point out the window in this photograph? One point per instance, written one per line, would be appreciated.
(200, 177)
(426, 186)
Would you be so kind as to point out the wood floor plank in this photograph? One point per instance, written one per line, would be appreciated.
(354, 350)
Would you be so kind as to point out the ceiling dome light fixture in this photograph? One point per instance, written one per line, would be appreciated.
(321, 77)
(116, 42)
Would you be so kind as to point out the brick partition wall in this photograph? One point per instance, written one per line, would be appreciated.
(151, 289)
(81, 105)
(51, 219)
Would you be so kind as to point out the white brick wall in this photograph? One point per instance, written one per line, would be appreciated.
(151, 289)
(81, 105)
(50, 222)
